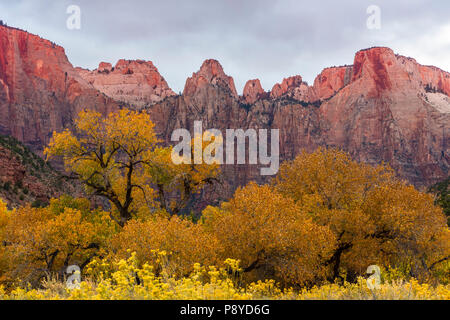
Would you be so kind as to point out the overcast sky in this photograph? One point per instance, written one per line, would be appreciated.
(265, 39)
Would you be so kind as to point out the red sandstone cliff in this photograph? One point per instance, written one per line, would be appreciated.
(40, 91)
(385, 107)
(387, 113)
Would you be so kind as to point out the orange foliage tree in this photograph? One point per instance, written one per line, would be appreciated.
(271, 236)
(375, 218)
(43, 241)
(183, 242)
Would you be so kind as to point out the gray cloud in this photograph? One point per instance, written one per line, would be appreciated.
(263, 39)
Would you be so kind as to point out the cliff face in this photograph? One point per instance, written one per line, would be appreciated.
(136, 82)
(40, 91)
(331, 80)
(384, 107)
(386, 114)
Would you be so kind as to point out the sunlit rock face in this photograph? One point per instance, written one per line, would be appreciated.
(136, 82)
(40, 91)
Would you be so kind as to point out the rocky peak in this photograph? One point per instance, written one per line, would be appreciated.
(372, 60)
(288, 84)
(40, 91)
(373, 65)
(136, 82)
(331, 80)
(295, 88)
(253, 91)
(210, 73)
(379, 69)
(104, 67)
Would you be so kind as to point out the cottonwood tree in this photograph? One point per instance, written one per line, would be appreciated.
(43, 241)
(375, 218)
(117, 157)
(271, 236)
(175, 184)
(184, 242)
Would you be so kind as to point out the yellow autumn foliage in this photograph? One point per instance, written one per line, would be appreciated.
(309, 234)
(125, 280)
(43, 240)
(376, 218)
(271, 235)
(119, 158)
(184, 242)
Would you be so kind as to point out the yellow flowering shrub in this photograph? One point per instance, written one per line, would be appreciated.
(124, 279)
